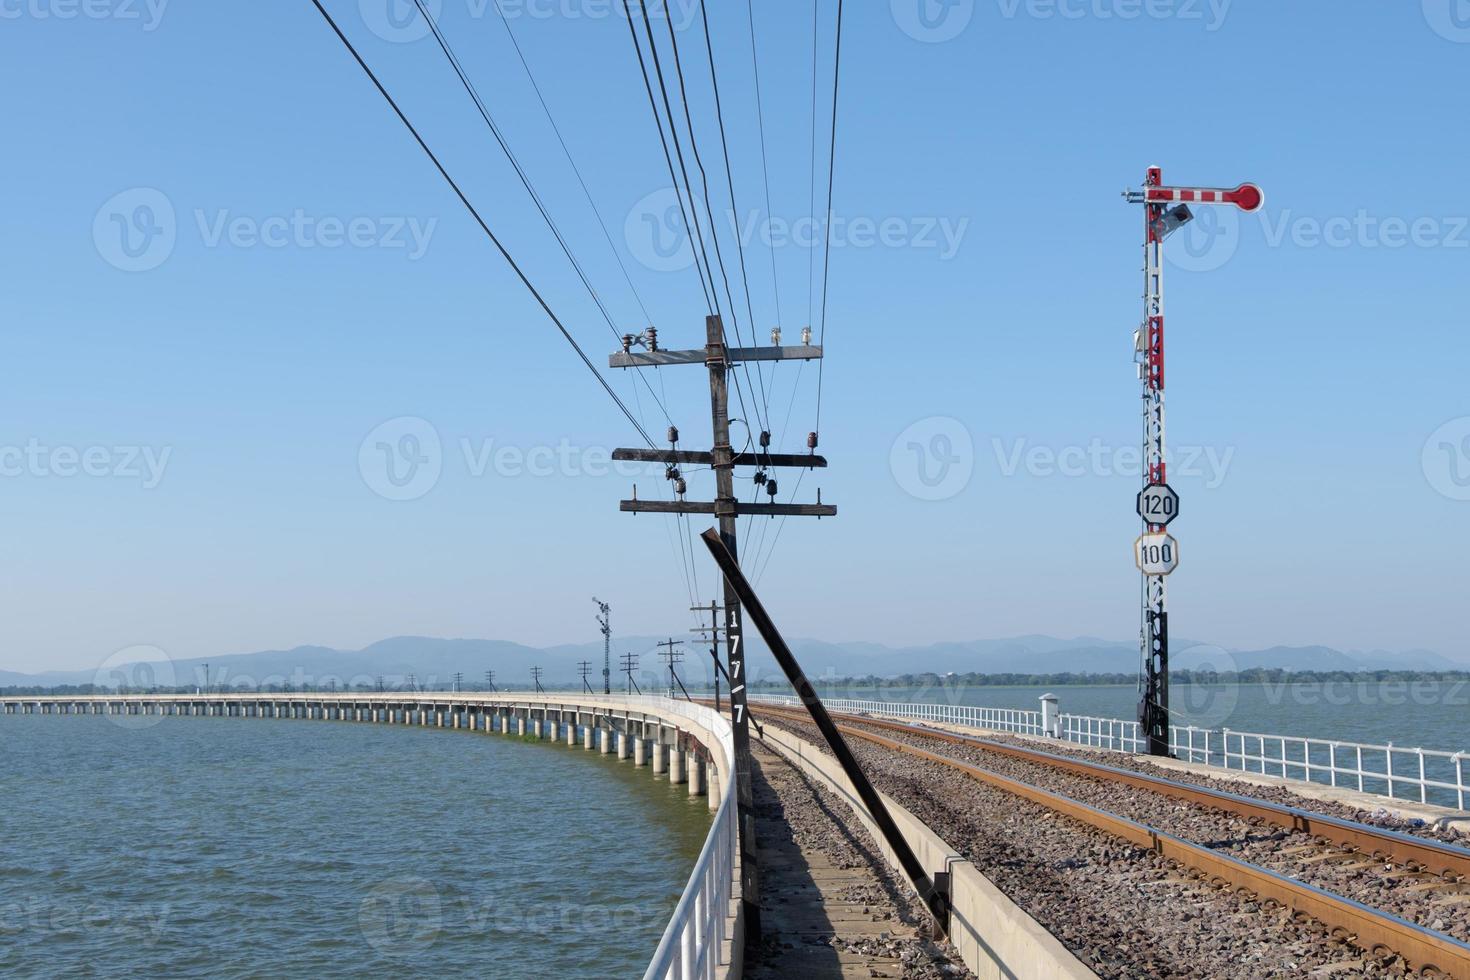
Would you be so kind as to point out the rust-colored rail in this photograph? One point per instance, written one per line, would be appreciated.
(1370, 929)
(1377, 842)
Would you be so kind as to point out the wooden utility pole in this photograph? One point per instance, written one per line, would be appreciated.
(723, 459)
(536, 679)
(630, 664)
(673, 657)
(712, 632)
(586, 668)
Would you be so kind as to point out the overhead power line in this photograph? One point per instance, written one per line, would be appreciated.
(474, 213)
(515, 163)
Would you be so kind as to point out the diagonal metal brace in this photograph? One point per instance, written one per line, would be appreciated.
(933, 895)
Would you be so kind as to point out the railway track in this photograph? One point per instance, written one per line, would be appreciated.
(1366, 926)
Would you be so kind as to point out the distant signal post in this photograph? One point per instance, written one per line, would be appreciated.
(1166, 210)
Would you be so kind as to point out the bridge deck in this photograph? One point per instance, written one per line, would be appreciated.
(830, 905)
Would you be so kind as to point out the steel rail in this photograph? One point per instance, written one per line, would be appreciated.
(1378, 842)
(1372, 930)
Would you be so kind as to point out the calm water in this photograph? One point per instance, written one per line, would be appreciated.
(1411, 715)
(251, 848)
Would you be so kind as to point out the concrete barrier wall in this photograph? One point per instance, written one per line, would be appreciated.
(994, 936)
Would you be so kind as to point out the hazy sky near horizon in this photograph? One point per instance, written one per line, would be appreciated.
(242, 313)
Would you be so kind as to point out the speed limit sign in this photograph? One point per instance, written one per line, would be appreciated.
(1158, 504)
(1156, 554)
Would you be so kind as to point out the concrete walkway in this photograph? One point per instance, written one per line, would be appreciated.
(830, 906)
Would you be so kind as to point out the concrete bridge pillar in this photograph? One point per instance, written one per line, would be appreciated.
(604, 740)
(587, 731)
(676, 764)
(712, 785)
(624, 745)
(571, 733)
(660, 758)
(640, 752)
(551, 731)
(695, 768)
(521, 725)
(536, 725)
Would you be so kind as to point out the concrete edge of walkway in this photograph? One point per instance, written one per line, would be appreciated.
(995, 937)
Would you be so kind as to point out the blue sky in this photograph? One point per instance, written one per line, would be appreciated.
(190, 423)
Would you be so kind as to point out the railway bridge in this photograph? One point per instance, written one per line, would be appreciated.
(1054, 860)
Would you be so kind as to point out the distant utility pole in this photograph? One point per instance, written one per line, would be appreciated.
(586, 668)
(723, 459)
(673, 656)
(380, 683)
(413, 683)
(458, 681)
(630, 664)
(536, 679)
(604, 620)
(712, 631)
(490, 679)
(206, 678)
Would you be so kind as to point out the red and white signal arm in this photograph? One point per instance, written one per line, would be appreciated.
(1247, 197)
(1156, 554)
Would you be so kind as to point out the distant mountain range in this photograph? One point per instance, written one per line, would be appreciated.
(433, 662)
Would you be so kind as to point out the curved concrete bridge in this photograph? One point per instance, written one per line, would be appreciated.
(691, 743)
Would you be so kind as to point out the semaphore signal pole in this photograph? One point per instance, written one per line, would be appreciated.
(604, 620)
(723, 459)
(1156, 552)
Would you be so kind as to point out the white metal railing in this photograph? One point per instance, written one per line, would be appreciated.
(1423, 775)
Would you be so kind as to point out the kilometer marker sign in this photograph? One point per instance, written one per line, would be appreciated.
(1156, 554)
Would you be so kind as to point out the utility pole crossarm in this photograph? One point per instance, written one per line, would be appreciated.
(680, 456)
(733, 355)
(739, 508)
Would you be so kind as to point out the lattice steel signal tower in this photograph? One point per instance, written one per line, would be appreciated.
(1166, 209)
